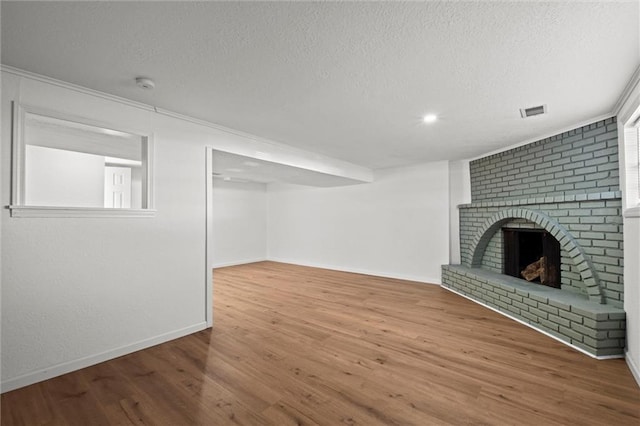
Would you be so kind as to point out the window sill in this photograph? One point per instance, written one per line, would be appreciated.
(43, 211)
(632, 212)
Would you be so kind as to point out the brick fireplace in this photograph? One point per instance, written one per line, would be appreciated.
(566, 189)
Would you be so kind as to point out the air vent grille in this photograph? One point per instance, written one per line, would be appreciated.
(530, 112)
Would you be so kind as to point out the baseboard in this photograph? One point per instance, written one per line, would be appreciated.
(532, 327)
(635, 371)
(238, 262)
(406, 277)
(68, 367)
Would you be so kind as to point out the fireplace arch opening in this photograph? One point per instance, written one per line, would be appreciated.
(568, 243)
(531, 254)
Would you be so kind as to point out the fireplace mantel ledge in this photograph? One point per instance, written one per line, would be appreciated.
(595, 196)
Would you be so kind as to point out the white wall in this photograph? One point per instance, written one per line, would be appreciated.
(76, 291)
(56, 177)
(397, 226)
(632, 292)
(239, 223)
(459, 193)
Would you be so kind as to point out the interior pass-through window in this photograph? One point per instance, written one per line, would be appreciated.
(81, 167)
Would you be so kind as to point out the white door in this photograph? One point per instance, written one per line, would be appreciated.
(117, 187)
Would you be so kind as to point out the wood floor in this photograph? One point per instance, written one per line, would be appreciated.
(303, 346)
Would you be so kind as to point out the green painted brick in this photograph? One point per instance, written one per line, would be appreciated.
(506, 300)
(500, 291)
(592, 204)
(609, 325)
(614, 269)
(539, 298)
(529, 316)
(513, 309)
(616, 334)
(574, 335)
(477, 294)
(549, 324)
(600, 316)
(593, 235)
(538, 313)
(589, 341)
(501, 304)
(521, 306)
(560, 321)
(585, 331)
(549, 309)
(590, 322)
(559, 305)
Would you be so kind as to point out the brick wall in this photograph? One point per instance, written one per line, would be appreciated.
(583, 160)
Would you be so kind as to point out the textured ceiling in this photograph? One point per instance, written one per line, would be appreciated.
(348, 80)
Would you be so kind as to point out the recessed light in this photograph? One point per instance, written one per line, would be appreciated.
(429, 118)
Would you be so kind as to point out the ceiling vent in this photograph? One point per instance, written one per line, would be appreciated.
(530, 112)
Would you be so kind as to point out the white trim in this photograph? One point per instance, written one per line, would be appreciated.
(44, 79)
(635, 371)
(633, 82)
(628, 163)
(208, 232)
(239, 262)
(74, 118)
(533, 327)
(69, 366)
(17, 154)
(19, 209)
(632, 212)
(546, 135)
(405, 277)
(148, 189)
(51, 211)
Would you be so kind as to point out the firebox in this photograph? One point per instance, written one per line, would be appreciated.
(531, 254)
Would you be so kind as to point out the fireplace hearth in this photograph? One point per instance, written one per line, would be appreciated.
(532, 254)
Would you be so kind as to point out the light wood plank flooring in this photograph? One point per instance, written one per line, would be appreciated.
(304, 346)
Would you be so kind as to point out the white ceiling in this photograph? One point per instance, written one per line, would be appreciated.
(347, 80)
